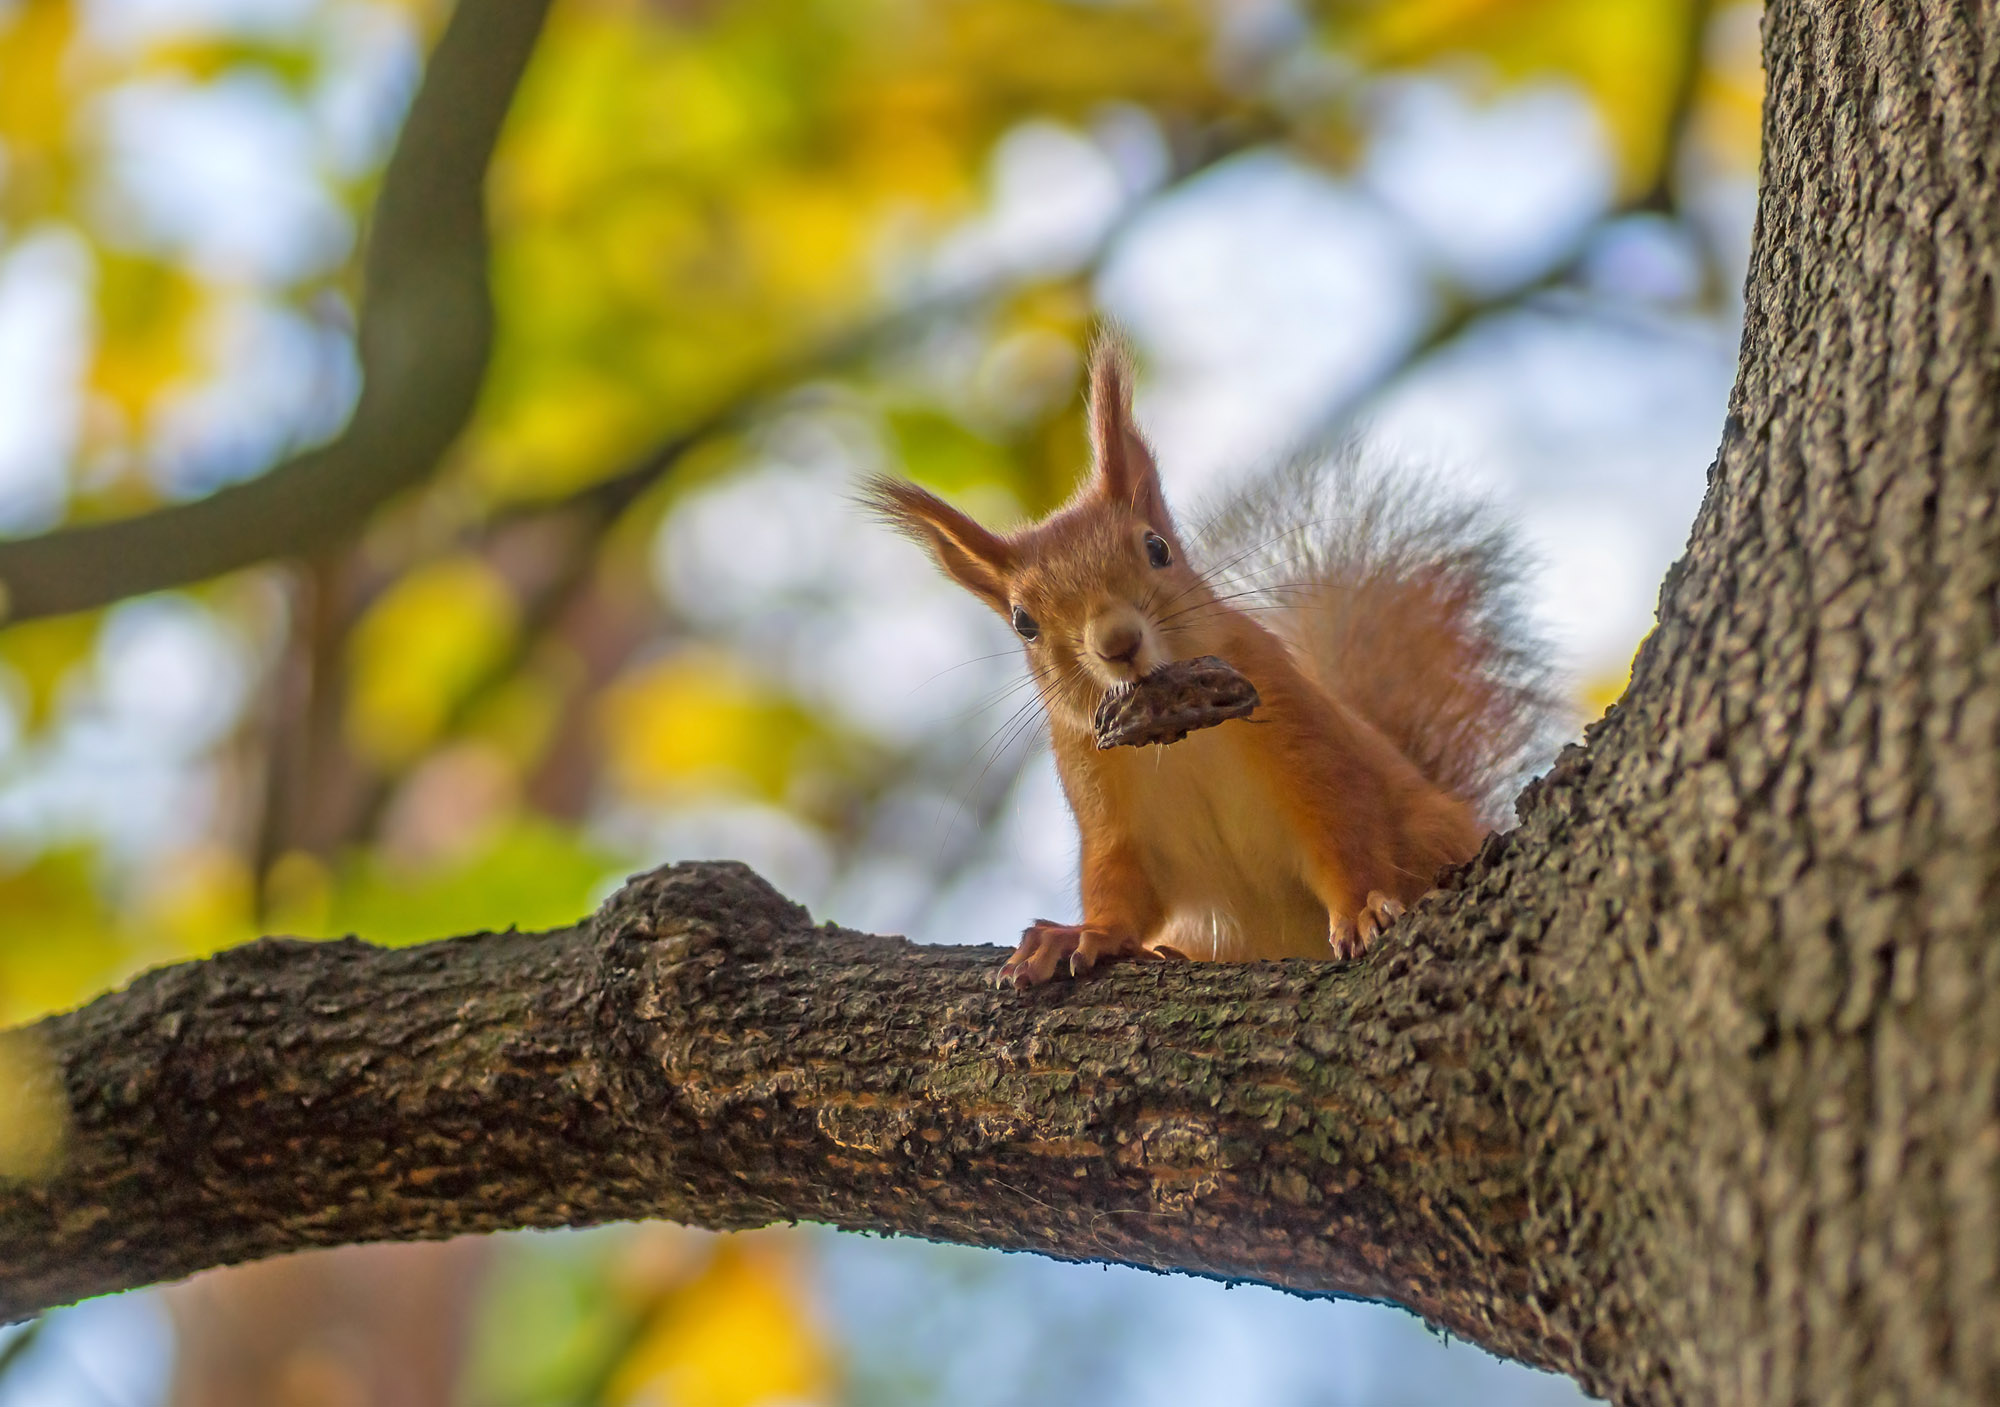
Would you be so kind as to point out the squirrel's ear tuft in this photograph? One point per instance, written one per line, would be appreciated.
(976, 559)
(1124, 469)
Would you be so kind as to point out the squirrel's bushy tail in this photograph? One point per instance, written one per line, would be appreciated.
(1405, 605)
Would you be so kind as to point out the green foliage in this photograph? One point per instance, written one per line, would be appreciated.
(529, 873)
(664, 1315)
(59, 933)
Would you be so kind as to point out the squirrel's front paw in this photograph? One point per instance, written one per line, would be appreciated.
(1350, 937)
(1047, 949)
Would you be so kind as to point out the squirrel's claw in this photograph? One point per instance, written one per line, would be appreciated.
(1048, 948)
(1377, 914)
(1342, 938)
(1350, 938)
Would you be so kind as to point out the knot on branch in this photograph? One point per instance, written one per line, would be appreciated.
(702, 905)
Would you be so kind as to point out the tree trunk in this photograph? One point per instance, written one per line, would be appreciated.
(1685, 1087)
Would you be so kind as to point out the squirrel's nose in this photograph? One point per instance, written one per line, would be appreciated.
(1120, 644)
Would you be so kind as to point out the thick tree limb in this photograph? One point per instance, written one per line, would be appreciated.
(426, 328)
(699, 1051)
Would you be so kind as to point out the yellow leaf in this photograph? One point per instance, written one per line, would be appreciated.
(431, 636)
(806, 235)
(146, 318)
(1604, 690)
(552, 440)
(36, 102)
(1065, 60)
(911, 139)
(58, 937)
(43, 654)
(1414, 30)
(206, 57)
(738, 1335)
(697, 723)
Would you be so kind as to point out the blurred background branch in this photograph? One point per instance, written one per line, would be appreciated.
(425, 332)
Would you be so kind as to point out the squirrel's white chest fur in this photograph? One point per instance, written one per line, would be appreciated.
(1220, 851)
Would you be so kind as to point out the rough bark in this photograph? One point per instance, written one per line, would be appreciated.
(1687, 1086)
(1784, 868)
(701, 1052)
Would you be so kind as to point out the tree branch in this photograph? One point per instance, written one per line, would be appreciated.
(426, 328)
(699, 1051)
(1685, 1086)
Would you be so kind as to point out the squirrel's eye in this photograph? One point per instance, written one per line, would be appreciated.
(1157, 551)
(1025, 624)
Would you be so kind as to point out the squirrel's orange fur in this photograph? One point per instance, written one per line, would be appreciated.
(1389, 699)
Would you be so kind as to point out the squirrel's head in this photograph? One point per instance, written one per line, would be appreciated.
(1100, 591)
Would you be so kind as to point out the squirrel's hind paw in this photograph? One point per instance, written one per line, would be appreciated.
(1350, 938)
(1049, 949)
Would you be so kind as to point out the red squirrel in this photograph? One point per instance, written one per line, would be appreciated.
(1396, 685)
